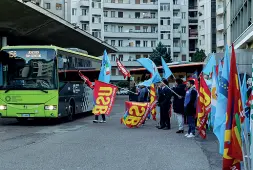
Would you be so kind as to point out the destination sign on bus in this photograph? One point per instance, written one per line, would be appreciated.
(33, 54)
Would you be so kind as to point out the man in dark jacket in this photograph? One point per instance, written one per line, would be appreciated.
(190, 103)
(178, 103)
(164, 101)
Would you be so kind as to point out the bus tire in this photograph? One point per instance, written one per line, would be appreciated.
(71, 110)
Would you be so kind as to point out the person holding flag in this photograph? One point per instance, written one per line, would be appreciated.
(104, 76)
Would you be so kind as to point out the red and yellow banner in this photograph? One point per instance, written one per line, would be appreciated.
(136, 113)
(104, 96)
(153, 101)
(204, 106)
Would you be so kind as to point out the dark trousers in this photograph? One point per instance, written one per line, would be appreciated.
(164, 116)
(103, 117)
(191, 124)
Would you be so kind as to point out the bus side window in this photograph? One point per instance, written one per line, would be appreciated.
(60, 62)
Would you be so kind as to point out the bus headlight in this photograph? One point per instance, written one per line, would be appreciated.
(50, 107)
(3, 107)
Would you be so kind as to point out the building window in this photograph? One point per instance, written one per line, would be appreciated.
(120, 43)
(161, 22)
(165, 35)
(165, 7)
(183, 15)
(113, 14)
(106, 28)
(162, 36)
(84, 12)
(96, 19)
(145, 1)
(183, 29)
(137, 28)
(152, 14)
(120, 57)
(113, 72)
(183, 43)
(58, 6)
(153, 29)
(137, 15)
(113, 42)
(73, 11)
(113, 57)
(145, 28)
(153, 43)
(120, 28)
(168, 21)
(183, 57)
(84, 27)
(113, 28)
(145, 56)
(138, 43)
(145, 43)
(47, 5)
(120, 14)
(137, 56)
(96, 33)
(105, 13)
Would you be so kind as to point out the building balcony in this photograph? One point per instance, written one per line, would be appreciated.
(220, 43)
(84, 3)
(202, 32)
(201, 3)
(220, 27)
(96, 11)
(220, 10)
(192, 50)
(193, 36)
(177, 20)
(193, 8)
(176, 34)
(96, 26)
(176, 49)
(176, 6)
(131, 20)
(127, 5)
(83, 18)
(134, 49)
(126, 63)
(151, 35)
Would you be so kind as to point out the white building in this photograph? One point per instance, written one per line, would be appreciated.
(207, 25)
(134, 27)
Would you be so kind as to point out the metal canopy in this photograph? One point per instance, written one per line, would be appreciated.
(29, 21)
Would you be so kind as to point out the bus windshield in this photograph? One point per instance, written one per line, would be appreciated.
(29, 69)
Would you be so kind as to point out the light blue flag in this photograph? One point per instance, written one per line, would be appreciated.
(166, 70)
(208, 69)
(151, 67)
(214, 92)
(221, 108)
(105, 72)
(220, 69)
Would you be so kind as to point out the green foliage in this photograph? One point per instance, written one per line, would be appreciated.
(158, 52)
(198, 56)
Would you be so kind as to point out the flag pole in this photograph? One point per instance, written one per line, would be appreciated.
(171, 89)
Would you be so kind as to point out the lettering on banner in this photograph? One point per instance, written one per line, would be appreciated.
(136, 113)
(103, 100)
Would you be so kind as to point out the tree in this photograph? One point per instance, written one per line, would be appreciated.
(198, 56)
(158, 52)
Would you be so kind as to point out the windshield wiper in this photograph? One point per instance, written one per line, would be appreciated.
(41, 90)
(12, 87)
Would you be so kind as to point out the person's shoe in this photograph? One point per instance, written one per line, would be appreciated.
(191, 135)
(102, 121)
(166, 128)
(180, 131)
(95, 121)
(187, 134)
(160, 127)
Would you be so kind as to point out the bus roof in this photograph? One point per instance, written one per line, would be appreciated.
(174, 65)
(50, 47)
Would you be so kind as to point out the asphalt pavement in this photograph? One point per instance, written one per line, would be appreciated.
(82, 145)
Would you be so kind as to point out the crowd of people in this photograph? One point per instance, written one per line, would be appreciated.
(182, 96)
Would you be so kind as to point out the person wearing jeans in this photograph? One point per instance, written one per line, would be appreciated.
(178, 103)
(102, 121)
(190, 103)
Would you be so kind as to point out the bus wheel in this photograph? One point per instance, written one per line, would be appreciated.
(71, 111)
(22, 120)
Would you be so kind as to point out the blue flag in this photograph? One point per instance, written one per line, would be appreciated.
(208, 69)
(105, 72)
(222, 100)
(166, 70)
(151, 67)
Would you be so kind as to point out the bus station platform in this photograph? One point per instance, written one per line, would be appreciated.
(25, 23)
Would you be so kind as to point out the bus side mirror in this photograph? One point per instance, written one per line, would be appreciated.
(4, 57)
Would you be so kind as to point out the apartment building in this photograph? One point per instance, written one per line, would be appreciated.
(236, 24)
(193, 27)
(134, 27)
(207, 25)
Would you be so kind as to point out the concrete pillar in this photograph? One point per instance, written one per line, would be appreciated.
(3, 41)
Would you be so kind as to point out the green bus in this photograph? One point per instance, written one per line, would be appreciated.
(43, 82)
